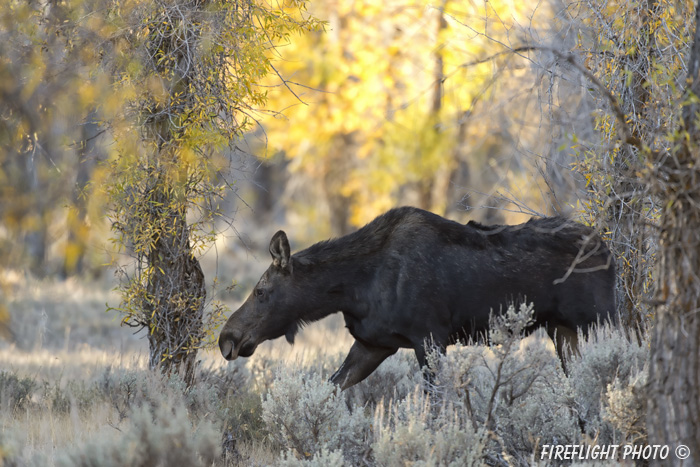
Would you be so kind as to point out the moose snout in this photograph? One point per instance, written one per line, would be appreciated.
(227, 344)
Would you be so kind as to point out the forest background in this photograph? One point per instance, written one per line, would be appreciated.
(171, 139)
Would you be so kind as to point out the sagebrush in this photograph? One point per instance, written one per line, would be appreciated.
(491, 404)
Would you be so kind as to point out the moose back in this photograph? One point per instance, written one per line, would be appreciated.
(410, 276)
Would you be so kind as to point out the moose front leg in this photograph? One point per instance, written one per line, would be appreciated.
(361, 361)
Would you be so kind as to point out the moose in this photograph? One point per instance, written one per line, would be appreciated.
(411, 276)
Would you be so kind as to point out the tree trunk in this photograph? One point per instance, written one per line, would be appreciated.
(433, 189)
(175, 290)
(674, 396)
(337, 167)
(674, 389)
(78, 228)
(36, 236)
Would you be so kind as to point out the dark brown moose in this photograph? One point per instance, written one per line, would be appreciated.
(411, 276)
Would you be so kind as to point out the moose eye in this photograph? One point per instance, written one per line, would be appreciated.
(259, 292)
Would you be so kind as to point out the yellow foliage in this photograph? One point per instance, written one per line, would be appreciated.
(370, 79)
(5, 330)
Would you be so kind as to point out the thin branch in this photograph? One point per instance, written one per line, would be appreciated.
(626, 134)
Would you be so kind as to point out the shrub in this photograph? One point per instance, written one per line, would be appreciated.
(514, 390)
(411, 432)
(122, 388)
(242, 421)
(486, 405)
(76, 393)
(15, 391)
(161, 437)
(263, 371)
(604, 355)
(201, 400)
(9, 448)
(305, 414)
(625, 407)
(127, 390)
(323, 458)
(228, 379)
(537, 404)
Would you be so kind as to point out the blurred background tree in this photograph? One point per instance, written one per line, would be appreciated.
(403, 103)
(50, 87)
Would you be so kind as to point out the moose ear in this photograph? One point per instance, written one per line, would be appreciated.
(279, 249)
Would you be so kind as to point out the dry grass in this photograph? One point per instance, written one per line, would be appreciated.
(41, 433)
(63, 339)
(82, 362)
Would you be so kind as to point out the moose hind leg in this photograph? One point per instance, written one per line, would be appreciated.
(361, 361)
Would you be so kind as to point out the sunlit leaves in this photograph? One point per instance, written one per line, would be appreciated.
(636, 50)
(369, 87)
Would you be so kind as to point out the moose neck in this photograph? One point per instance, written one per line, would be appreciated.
(338, 270)
(335, 286)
